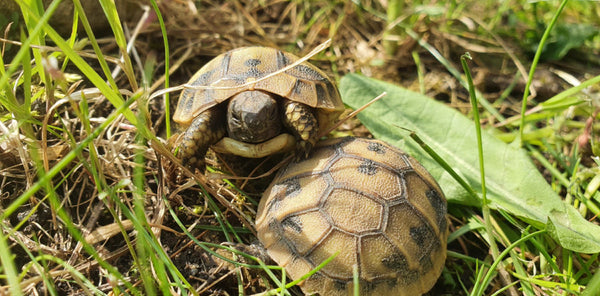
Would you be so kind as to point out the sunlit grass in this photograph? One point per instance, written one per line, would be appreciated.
(110, 159)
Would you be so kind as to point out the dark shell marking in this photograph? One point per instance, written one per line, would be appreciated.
(439, 204)
(411, 250)
(395, 261)
(241, 69)
(292, 222)
(257, 70)
(376, 147)
(292, 187)
(252, 62)
(368, 167)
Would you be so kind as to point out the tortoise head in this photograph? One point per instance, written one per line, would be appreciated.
(253, 117)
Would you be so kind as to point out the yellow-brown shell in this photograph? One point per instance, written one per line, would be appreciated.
(258, 68)
(369, 203)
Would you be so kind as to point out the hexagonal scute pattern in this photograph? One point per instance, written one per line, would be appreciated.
(352, 211)
(363, 205)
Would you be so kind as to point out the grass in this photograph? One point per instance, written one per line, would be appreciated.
(90, 200)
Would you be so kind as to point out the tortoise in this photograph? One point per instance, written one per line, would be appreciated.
(368, 204)
(254, 102)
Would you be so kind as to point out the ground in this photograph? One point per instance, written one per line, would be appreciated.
(93, 201)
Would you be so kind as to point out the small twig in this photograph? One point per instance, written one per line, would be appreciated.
(354, 113)
(301, 60)
(57, 49)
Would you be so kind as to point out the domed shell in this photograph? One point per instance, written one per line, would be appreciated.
(258, 68)
(366, 202)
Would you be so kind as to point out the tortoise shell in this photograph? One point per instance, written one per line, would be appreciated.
(259, 68)
(366, 202)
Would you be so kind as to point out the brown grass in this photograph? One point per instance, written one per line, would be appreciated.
(197, 33)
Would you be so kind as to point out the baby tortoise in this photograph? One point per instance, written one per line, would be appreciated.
(371, 204)
(254, 103)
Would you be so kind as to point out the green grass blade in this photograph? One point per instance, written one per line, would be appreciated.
(111, 93)
(438, 56)
(163, 31)
(485, 203)
(9, 101)
(534, 64)
(72, 155)
(593, 287)
(8, 265)
(498, 260)
(444, 164)
(513, 183)
(475, 108)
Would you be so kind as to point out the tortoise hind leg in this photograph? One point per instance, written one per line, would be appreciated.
(205, 130)
(301, 120)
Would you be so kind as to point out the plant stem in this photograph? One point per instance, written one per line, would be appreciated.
(534, 63)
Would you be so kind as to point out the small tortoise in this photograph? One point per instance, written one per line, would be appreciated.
(249, 100)
(366, 202)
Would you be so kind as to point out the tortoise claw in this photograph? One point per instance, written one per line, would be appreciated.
(303, 150)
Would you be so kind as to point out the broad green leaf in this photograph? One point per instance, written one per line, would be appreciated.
(567, 37)
(513, 182)
(571, 232)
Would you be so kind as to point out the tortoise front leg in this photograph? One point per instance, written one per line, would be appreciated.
(301, 120)
(206, 129)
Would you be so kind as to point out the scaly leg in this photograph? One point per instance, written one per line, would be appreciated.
(206, 129)
(302, 121)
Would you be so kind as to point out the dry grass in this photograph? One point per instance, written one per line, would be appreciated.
(87, 220)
